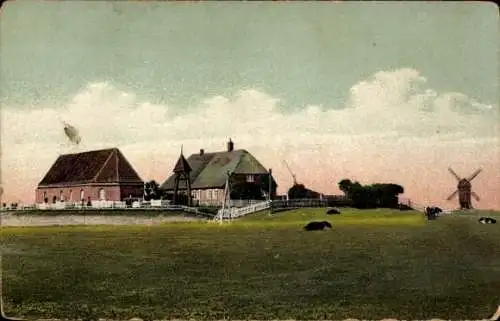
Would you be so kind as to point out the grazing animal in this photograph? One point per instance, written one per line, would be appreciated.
(332, 211)
(432, 212)
(317, 226)
(487, 220)
(436, 210)
(404, 207)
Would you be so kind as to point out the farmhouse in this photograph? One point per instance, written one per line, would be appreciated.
(90, 176)
(208, 173)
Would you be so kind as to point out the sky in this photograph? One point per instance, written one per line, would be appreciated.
(371, 91)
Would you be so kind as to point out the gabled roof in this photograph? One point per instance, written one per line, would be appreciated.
(99, 166)
(182, 165)
(209, 170)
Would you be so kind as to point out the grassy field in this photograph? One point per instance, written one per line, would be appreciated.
(373, 264)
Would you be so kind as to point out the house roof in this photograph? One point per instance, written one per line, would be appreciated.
(182, 165)
(209, 170)
(98, 166)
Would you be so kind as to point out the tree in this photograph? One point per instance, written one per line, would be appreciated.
(360, 196)
(345, 185)
(371, 196)
(390, 195)
(354, 191)
(152, 190)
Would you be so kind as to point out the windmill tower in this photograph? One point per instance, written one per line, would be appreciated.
(291, 173)
(294, 179)
(464, 189)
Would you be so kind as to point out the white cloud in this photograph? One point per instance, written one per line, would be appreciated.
(392, 113)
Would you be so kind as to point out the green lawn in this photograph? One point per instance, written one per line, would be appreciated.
(372, 265)
(348, 216)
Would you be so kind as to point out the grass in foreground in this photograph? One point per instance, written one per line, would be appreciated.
(260, 268)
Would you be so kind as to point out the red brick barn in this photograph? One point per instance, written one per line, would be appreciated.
(94, 175)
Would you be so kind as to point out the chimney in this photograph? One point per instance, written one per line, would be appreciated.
(202, 151)
(230, 145)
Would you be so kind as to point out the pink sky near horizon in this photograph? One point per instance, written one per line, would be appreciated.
(425, 182)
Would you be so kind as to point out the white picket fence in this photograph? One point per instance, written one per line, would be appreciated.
(158, 204)
(235, 212)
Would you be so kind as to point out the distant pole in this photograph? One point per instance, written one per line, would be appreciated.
(226, 193)
(270, 190)
(270, 182)
(229, 194)
(223, 203)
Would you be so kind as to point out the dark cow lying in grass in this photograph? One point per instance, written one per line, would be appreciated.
(432, 212)
(487, 220)
(332, 211)
(317, 226)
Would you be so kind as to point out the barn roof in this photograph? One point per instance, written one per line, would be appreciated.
(209, 170)
(98, 166)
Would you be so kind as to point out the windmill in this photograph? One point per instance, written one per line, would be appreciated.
(464, 189)
(291, 173)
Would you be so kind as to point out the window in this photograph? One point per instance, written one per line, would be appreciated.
(61, 196)
(102, 194)
(70, 195)
(250, 179)
(82, 194)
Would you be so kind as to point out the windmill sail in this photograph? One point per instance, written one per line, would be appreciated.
(452, 195)
(474, 175)
(453, 173)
